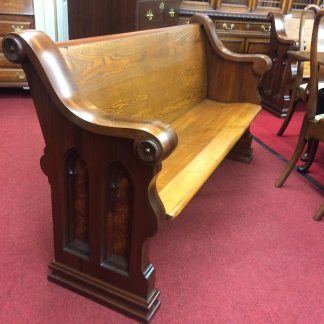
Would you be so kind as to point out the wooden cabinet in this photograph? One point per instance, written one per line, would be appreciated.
(101, 17)
(14, 15)
(251, 36)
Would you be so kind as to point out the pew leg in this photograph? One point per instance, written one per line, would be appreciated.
(243, 151)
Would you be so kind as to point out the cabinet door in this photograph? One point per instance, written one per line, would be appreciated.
(11, 25)
(170, 12)
(150, 14)
(235, 44)
(11, 75)
(257, 45)
(157, 13)
(21, 7)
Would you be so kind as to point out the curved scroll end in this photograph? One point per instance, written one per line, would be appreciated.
(156, 205)
(210, 29)
(45, 57)
(13, 49)
(202, 20)
(278, 31)
(148, 150)
(262, 64)
(270, 16)
(311, 7)
(277, 21)
(152, 149)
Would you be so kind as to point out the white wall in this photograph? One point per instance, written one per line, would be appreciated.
(51, 17)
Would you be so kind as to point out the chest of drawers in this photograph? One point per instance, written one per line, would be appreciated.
(103, 17)
(14, 15)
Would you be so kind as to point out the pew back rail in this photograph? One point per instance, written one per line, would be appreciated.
(133, 125)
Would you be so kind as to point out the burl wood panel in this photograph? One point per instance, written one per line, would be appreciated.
(118, 215)
(78, 203)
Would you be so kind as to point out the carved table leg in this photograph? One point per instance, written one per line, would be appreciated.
(309, 156)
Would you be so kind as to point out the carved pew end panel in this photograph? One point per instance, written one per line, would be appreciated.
(101, 251)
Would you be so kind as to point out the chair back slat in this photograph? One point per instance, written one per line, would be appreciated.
(315, 68)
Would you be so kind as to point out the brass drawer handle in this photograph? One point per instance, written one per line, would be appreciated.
(149, 14)
(265, 28)
(230, 27)
(17, 28)
(171, 12)
(20, 75)
(161, 6)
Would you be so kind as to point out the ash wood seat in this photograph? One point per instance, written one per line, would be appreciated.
(200, 149)
(133, 124)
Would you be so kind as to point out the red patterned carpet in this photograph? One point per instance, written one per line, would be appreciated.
(241, 252)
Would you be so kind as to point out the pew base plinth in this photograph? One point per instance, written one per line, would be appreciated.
(242, 151)
(128, 304)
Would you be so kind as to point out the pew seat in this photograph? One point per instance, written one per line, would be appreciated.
(205, 139)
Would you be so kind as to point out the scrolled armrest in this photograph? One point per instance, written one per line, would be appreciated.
(278, 31)
(261, 63)
(38, 54)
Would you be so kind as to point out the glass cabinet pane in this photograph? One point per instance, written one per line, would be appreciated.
(198, 3)
(268, 4)
(236, 2)
(300, 4)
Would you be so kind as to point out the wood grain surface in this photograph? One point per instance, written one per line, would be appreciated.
(201, 149)
(139, 77)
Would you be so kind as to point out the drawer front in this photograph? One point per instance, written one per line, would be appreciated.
(15, 76)
(257, 46)
(235, 44)
(9, 26)
(171, 13)
(231, 26)
(4, 63)
(155, 14)
(17, 7)
(149, 15)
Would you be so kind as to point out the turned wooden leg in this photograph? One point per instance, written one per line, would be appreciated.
(287, 119)
(319, 214)
(291, 164)
(311, 152)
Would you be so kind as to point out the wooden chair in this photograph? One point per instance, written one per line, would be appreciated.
(313, 124)
(299, 89)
